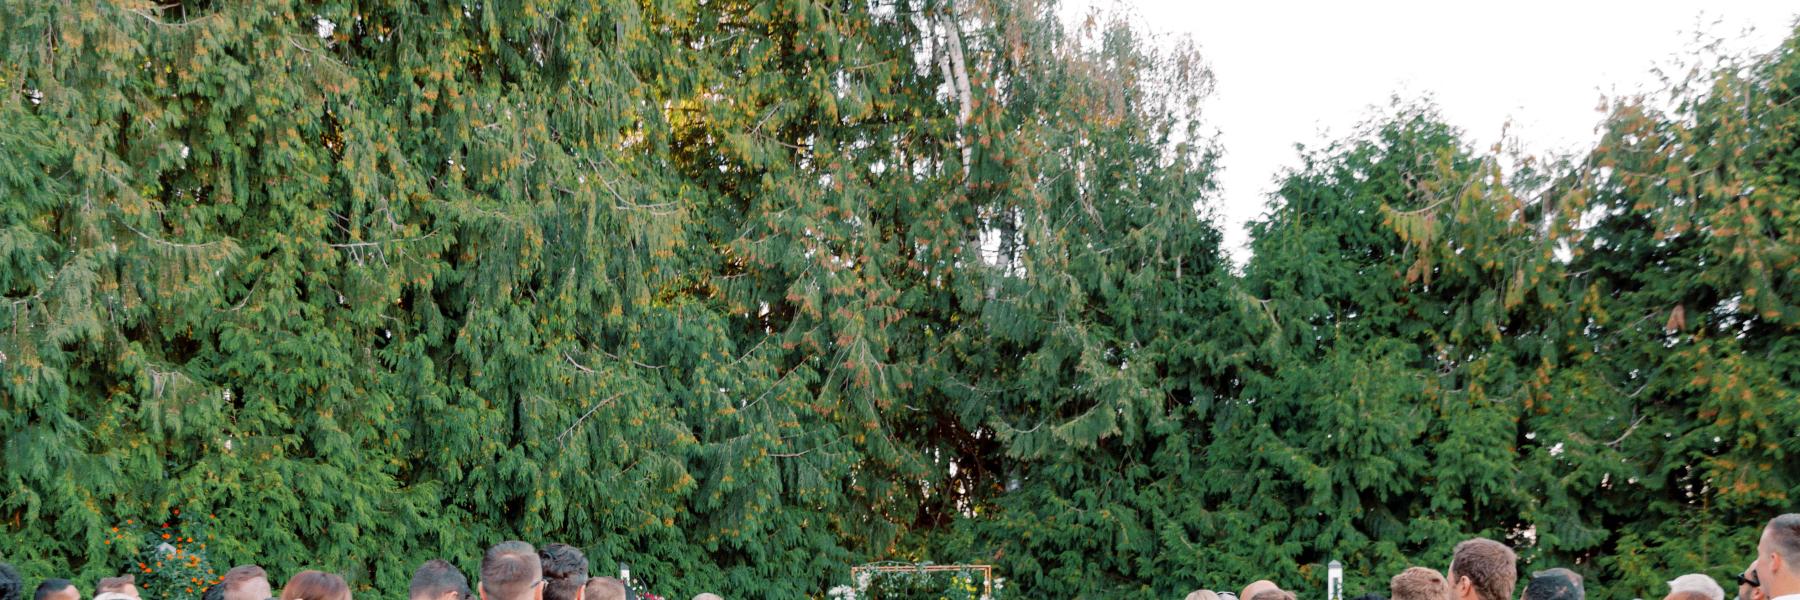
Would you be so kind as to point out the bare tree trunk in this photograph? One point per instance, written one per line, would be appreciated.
(956, 72)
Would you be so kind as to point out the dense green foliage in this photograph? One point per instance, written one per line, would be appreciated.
(746, 292)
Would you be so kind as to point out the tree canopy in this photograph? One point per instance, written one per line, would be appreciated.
(747, 292)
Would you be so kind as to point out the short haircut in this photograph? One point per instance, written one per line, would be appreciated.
(1274, 595)
(1687, 595)
(1491, 567)
(315, 585)
(1371, 596)
(231, 585)
(115, 584)
(1419, 583)
(11, 587)
(1256, 587)
(436, 577)
(51, 587)
(1554, 584)
(1202, 595)
(1784, 533)
(213, 592)
(509, 570)
(604, 588)
(565, 571)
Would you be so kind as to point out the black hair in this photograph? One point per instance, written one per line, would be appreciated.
(565, 571)
(51, 587)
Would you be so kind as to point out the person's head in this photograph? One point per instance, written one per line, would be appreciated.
(1257, 587)
(1274, 594)
(1778, 556)
(1419, 583)
(1370, 596)
(213, 592)
(1748, 587)
(1685, 595)
(11, 587)
(1697, 583)
(1202, 595)
(1554, 584)
(511, 571)
(56, 589)
(437, 579)
(708, 596)
(123, 587)
(315, 585)
(1483, 569)
(565, 572)
(247, 582)
(603, 588)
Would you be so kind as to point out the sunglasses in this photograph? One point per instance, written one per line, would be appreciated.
(1742, 580)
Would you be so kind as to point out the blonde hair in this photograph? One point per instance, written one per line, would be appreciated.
(1419, 583)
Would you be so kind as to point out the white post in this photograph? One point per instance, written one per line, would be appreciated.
(1334, 581)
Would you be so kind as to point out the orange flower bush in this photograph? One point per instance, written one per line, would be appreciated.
(169, 565)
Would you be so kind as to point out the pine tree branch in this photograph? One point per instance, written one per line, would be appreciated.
(384, 242)
(162, 242)
(584, 417)
(1634, 425)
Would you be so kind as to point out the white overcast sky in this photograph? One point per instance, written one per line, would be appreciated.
(1292, 71)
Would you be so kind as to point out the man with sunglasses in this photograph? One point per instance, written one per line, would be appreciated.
(1748, 587)
(1777, 567)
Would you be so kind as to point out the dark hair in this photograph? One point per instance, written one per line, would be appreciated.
(604, 588)
(1554, 584)
(51, 586)
(1491, 566)
(1784, 532)
(213, 592)
(437, 576)
(234, 580)
(509, 570)
(1371, 596)
(565, 571)
(315, 585)
(10, 584)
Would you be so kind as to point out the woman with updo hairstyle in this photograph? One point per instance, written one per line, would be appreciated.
(316, 585)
